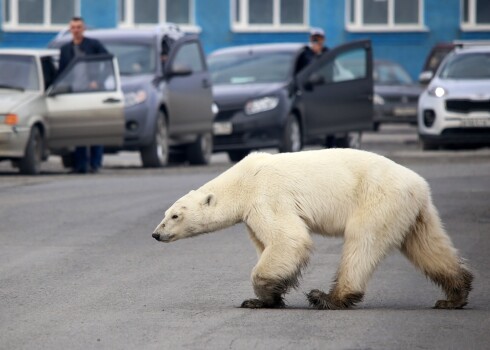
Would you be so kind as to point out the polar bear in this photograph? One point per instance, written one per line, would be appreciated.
(375, 204)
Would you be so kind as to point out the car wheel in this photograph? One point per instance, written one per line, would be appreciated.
(350, 140)
(30, 164)
(292, 138)
(155, 155)
(200, 152)
(238, 155)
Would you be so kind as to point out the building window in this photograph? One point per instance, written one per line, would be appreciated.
(384, 15)
(274, 15)
(151, 12)
(475, 14)
(38, 14)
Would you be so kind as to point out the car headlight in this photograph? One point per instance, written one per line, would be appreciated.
(378, 100)
(261, 105)
(214, 108)
(437, 91)
(134, 97)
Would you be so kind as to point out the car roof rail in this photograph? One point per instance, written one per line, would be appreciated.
(465, 43)
(167, 27)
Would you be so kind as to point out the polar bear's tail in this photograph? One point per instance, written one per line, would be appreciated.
(430, 249)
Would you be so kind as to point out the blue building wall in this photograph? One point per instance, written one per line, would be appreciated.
(442, 21)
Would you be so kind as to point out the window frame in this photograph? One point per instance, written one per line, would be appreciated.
(14, 25)
(471, 24)
(128, 21)
(357, 25)
(243, 24)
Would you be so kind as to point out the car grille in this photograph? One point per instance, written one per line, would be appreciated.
(225, 115)
(466, 106)
(402, 99)
(228, 139)
(466, 131)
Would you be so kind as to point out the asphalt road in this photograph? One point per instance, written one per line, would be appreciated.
(79, 269)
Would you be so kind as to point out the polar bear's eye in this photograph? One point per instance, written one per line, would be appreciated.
(175, 217)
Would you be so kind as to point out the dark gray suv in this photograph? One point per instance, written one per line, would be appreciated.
(168, 104)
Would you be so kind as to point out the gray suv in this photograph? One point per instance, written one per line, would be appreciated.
(168, 103)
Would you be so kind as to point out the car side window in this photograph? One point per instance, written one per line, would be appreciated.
(190, 55)
(349, 65)
(92, 75)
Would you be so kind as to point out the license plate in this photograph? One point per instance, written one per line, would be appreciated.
(222, 128)
(471, 123)
(405, 111)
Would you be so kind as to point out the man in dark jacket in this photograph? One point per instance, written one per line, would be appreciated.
(77, 47)
(314, 50)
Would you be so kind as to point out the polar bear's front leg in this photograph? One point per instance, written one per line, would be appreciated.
(279, 266)
(277, 271)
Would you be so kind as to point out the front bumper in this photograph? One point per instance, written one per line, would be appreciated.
(451, 127)
(234, 130)
(396, 113)
(13, 140)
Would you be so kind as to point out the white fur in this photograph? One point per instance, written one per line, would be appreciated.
(373, 202)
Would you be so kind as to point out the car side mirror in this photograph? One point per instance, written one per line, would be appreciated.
(313, 80)
(425, 77)
(179, 70)
(59, 89)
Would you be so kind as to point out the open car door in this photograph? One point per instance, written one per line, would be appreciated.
(336, 90)
(188, 86)
(85, 104)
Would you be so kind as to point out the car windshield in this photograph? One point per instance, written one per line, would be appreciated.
(18, 72)
(133, 58)
(390, 74)
(475, 65)
(251, 67)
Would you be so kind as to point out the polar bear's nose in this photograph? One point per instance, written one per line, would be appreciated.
(156, 236)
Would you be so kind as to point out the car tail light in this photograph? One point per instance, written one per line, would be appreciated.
(429, 117)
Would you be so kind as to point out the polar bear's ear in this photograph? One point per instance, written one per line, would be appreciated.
(209, 199)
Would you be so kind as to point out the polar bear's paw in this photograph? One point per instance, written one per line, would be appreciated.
(448, 304)
(323, 301)
(259, 304)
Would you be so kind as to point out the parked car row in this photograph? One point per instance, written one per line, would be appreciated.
(252, 97)
(166, 110)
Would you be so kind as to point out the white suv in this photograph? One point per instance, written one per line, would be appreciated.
(454, 110)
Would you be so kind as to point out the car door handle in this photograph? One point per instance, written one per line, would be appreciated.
(111, 100)
(205, 83)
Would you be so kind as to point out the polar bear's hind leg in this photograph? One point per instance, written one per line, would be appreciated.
(430, 249)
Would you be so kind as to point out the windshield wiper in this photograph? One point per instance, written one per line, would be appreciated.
(5, 86)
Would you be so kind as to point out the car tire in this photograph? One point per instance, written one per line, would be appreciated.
(292, 138)
(155, 155)
(200, 152)
(350, 140)
(238, 155)
(30, 164)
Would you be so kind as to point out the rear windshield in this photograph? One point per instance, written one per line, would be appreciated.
(475, 65)
(251, 67)
(18, 72)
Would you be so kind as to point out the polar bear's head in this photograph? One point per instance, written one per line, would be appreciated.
(189, 216)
